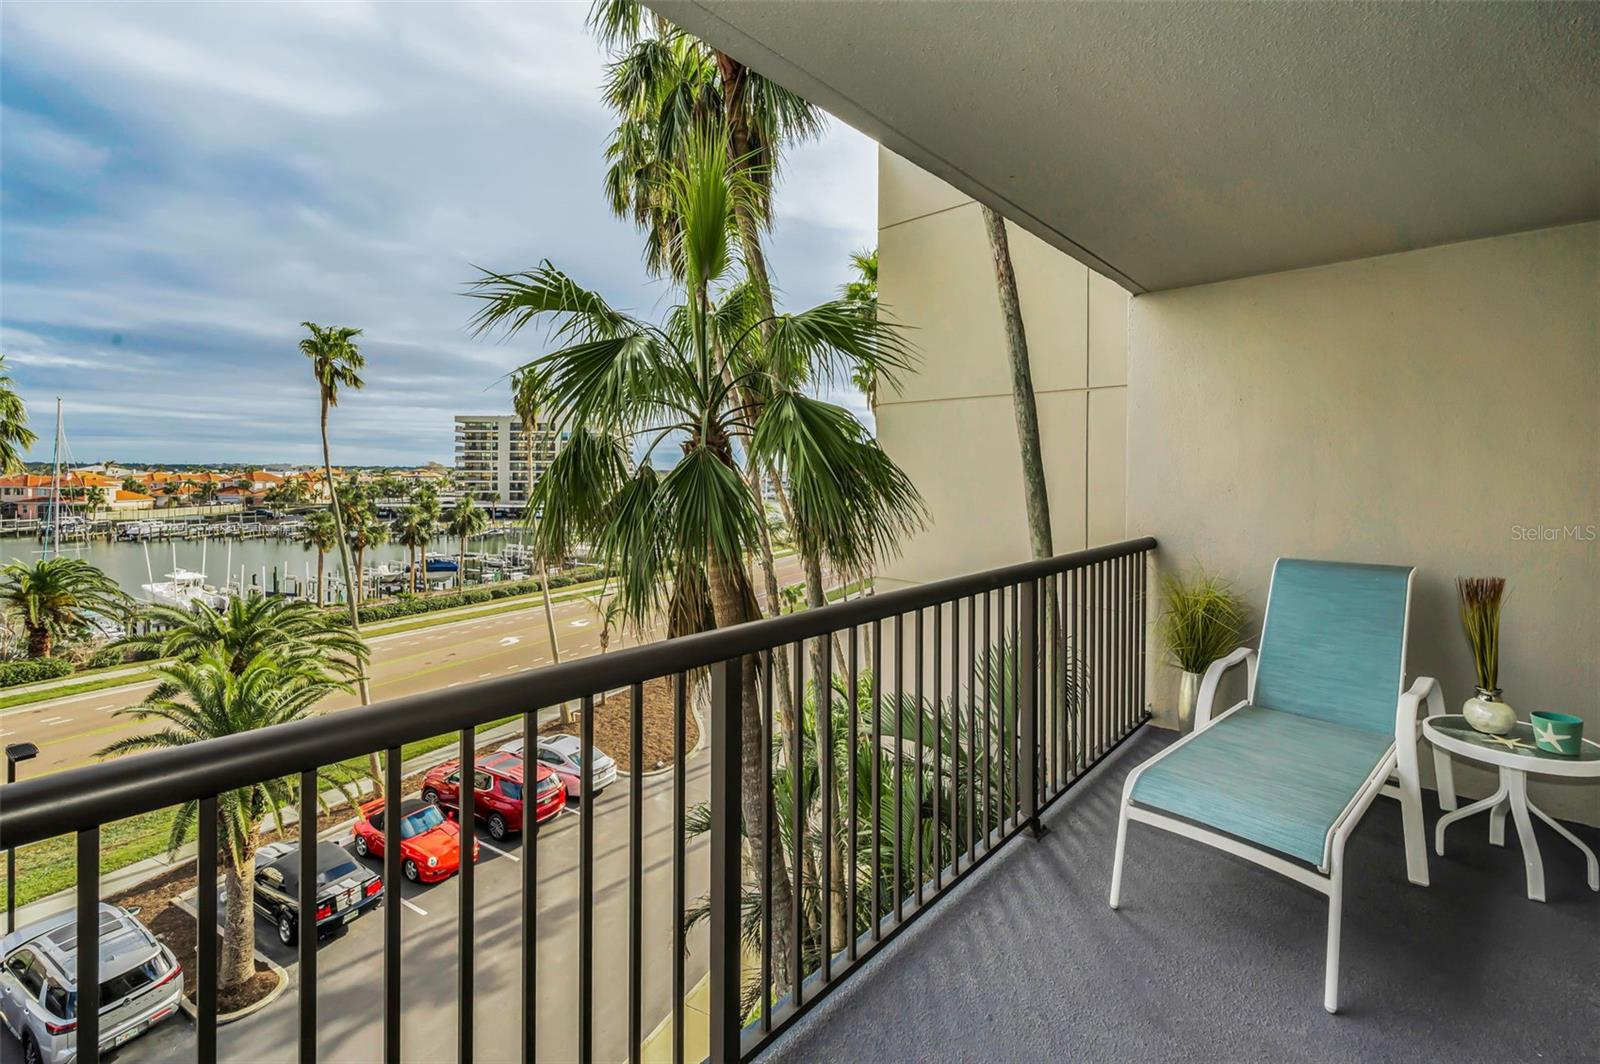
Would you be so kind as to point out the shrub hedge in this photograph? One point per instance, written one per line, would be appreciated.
(33, 670)
(411, 605)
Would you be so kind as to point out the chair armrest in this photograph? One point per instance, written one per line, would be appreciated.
(1213, 677)
(1405, 720)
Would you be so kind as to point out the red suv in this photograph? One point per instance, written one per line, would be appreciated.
(497, 787)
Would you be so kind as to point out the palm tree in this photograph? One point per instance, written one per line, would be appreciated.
(667, 89)
(206, 698)
(412, 530)
(52, 597)
(364, 530)
(292, 632)
(94, 498)
(525, 401)
(931, 757)
(133, 484)
(617, 378)
(336, 363)
(15, 436)
(466, 519)
(1022, 398)
(321, 535)
(863, 291)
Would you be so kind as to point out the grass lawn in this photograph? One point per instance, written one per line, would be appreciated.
(23, 698)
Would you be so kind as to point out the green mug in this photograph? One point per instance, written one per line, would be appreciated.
(1557, 733)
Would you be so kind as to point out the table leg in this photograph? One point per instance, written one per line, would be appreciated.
(1500, 795)
(1497, 824)
(1517, 783)
(1594, 864)
(1444, 777)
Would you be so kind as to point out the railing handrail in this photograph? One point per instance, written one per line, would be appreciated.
(82, 798)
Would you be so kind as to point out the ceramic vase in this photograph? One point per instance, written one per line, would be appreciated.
(1188, 695)
(1486, 712)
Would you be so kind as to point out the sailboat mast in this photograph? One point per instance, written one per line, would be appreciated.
(53, 540)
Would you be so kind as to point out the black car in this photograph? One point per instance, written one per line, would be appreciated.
(345, 889)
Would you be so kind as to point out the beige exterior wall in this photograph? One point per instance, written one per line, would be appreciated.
(951, 425)
(1439, 408)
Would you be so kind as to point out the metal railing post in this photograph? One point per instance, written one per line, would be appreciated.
(1028, 703)
(726, 686)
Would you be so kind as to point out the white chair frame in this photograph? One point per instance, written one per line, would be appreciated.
(1399, 763)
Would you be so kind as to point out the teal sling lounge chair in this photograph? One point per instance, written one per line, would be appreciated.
(1283, 777)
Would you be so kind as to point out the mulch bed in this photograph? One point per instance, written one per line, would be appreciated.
(157, 900)
(613, 726)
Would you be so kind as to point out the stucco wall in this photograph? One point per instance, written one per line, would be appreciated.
(951, 424)
(1439, 408)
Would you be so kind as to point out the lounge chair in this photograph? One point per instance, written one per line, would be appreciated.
(1283, 777)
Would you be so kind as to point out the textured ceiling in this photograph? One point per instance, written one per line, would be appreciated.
(1171, 144)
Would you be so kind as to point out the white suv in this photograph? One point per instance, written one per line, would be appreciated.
(141, 984)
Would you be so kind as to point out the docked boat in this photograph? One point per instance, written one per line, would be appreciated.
(183, 588)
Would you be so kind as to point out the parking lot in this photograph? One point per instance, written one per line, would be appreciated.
(350, 964)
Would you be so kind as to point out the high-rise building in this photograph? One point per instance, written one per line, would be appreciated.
(495, 458)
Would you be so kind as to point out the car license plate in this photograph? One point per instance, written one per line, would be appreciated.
(127, 1036)
(351, 915)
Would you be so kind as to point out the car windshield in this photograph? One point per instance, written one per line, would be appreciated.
(421, 821)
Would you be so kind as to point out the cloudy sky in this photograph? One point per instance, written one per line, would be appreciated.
(184, 184)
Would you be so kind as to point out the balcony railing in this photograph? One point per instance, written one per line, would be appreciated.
(938, 722)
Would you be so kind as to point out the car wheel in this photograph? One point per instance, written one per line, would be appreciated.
(411, 870)
(497, 827)
(286, 929)
(430, 796)
(361, 845)
(30, 1051)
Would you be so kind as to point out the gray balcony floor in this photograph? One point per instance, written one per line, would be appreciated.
(1212, 958)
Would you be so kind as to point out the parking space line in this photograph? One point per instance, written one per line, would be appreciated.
(495, 849)
(419, 910)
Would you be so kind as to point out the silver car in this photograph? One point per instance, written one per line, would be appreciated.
(562, 755)
(141, 983)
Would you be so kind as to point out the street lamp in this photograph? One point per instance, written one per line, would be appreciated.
(15, 754)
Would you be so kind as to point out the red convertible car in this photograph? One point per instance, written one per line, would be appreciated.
(430, 844)
(497, 791)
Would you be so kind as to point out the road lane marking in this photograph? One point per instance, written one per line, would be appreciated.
(496, 849)
(458, 683)
(51, 722)
(102, 709)
(419, 910)
(510, 641)
(481, 675)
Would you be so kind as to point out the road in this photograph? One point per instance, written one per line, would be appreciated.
(70, 731)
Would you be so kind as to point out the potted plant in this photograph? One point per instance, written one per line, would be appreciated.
(1201, 620)
(1480, 597)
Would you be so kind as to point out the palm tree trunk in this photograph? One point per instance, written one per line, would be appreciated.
(550, 625)
(461, 566)
(39, 642)
(359, 592)
(815, 595)
(1022, 398)
(321, 591)
(769, 572)
(729, 599)
(374, 762)
(238, 961)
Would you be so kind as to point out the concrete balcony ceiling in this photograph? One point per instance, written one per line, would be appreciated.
(1173, 144)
